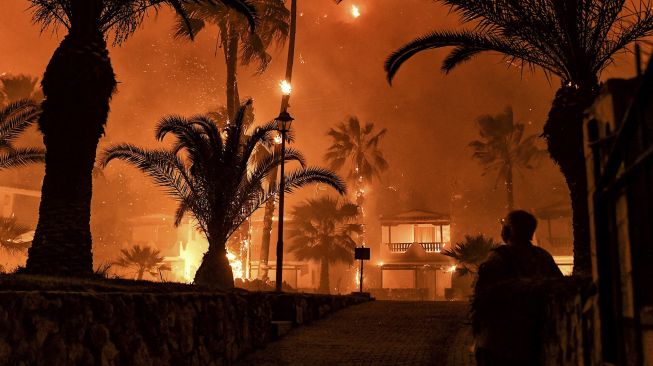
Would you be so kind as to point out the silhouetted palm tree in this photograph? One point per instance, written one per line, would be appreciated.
(272, 179)
(12, 236)
(14, 120)
(78, 85)
(504, 149)
(14, 88)
(235, 37)
(356, 149)
(471, 253)
(321, 231)
(145, 259)
(572, 39)
(216, 182)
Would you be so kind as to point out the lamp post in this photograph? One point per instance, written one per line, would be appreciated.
(284, 122)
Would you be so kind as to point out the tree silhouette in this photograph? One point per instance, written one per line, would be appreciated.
(470, 253)
(235, 38)
(14, 120)
(504, 149)
(572, 39)
(78, 85)
(216, 181)
(321, 231)
(11, 236)
(145, 259)
(355, 148)
(14, 88)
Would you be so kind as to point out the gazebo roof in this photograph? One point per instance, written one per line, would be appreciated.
(416, 216)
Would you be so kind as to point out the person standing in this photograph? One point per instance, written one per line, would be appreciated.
(504, 317)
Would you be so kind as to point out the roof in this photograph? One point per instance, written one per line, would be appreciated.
(416, 216)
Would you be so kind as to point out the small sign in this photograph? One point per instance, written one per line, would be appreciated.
(362, 254)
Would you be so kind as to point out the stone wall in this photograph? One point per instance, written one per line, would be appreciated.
(125, 328)
(567, 331)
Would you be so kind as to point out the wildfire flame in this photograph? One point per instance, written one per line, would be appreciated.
(236, 264)
(285, 86)
(355, 11)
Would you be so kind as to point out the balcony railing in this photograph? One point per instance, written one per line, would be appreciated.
(432, 247)
(398, 247)
(403, 247)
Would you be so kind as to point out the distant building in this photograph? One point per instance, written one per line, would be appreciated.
(23, 204)
(410, 260)
(555, 234)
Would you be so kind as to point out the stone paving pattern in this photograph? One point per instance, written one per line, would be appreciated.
(377, 333)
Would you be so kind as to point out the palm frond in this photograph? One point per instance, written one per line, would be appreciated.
(17, 157)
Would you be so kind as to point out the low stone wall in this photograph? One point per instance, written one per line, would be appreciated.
(126, 328)
(565, 339)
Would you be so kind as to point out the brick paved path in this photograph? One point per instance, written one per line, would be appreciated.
(377, 333)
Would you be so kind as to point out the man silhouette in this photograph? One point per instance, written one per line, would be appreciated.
(504, 316)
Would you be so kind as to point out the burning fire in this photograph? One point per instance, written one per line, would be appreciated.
(285, 86)
(236, 264)
(355, 11)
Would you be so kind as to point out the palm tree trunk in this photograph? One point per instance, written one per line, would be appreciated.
(324, 277)
(141, 272)
(78, 85)
(231, 58)
(510, 194)
(215, 271)
(564, 133)
(272, 180)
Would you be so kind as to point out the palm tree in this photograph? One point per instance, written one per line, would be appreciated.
(78, 85)
(17, 87)
(216, 182)
(145, 259)
(14, 120)
(356, 149)
(12, 236)
(471, 253)
(572, 39)
(234, 36)
(503, 149)
(272, 179)
(321, 231)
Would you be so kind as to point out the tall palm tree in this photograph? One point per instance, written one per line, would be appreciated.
(216, 181)
(572, 39)
(14, 120)
(235, 37)
(470, 253)
(356, 149)
(12, 236)
(78, 85)
(322, 231)
(145, 259)
(272, 179)
(504, 149)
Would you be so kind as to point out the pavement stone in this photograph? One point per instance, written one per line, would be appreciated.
(377, 333)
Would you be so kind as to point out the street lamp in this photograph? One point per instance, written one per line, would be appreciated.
(284, 121)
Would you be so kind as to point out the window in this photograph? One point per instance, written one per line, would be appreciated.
(426, 234)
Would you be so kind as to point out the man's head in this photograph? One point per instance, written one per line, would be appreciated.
(518, 227)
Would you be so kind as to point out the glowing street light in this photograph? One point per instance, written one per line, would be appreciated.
(286, 88)
(355, 11)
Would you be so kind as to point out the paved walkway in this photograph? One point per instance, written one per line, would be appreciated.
(377, 333)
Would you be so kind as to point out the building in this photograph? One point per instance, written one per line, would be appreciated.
(23, 204)
(555, 234)
(410, 259)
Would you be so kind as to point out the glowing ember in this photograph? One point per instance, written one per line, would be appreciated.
(285, 86)
(355, 11)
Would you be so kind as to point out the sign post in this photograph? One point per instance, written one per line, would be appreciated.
(362, 254)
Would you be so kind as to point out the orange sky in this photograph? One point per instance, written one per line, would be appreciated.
(339, 72)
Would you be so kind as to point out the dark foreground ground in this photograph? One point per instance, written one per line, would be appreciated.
(377, 333)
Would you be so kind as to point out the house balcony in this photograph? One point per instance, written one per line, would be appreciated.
(432, 247)
(403, 247)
